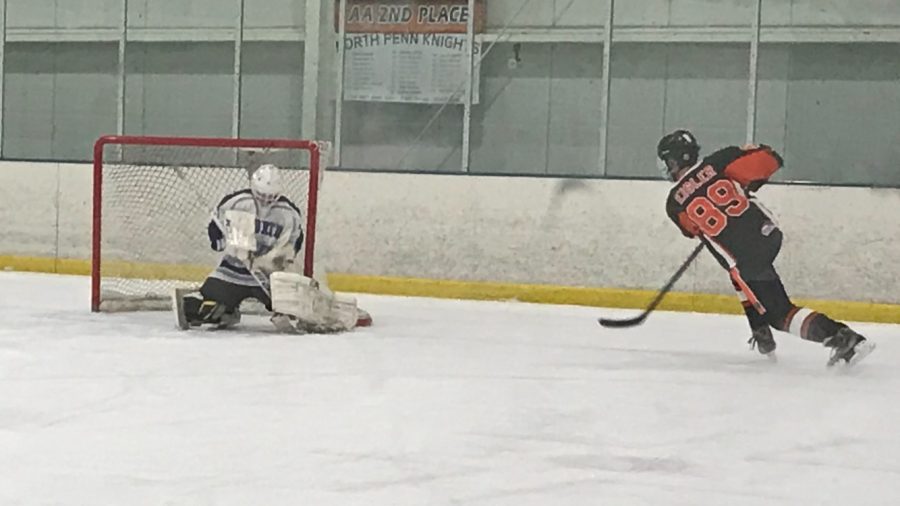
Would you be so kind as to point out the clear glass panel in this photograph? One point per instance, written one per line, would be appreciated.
(807, 13)
(657, 88)
(58, 98)
(402, 136)
(271, 89)
(69, 14)
(697, 13)
(539, 110)
(179, 88)
(833, 110)
(519, 13)
(169, 14)
(276, 13)
(541, 13)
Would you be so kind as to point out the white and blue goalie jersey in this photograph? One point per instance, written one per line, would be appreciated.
(282, 217)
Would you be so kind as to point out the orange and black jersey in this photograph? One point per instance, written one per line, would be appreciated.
(710, 201)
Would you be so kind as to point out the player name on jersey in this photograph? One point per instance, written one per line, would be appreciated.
(268, 228)
(410, 16)
(692, 182)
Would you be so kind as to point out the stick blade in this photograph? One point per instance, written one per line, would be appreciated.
(621, 324)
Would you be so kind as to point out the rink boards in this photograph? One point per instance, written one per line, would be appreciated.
(573, 241)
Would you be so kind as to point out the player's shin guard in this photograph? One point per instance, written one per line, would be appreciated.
(846, 345)
(810, 325)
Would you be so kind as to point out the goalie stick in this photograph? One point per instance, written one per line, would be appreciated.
(637, 320)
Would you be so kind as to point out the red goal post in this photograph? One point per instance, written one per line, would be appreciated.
(153, 198)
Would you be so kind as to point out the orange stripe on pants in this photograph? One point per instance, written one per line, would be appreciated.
(745, 289)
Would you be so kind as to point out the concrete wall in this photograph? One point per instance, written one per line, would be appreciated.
(842, 243)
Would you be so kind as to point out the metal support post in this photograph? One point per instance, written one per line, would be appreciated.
(237, 73)
(311, 56)
(2, 68)
(605, 80)
(467, 104)
(339, 85)
(753, 81)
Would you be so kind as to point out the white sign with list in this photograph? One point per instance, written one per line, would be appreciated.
(424, 68)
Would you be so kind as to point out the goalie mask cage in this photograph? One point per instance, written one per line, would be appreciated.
(154, 198)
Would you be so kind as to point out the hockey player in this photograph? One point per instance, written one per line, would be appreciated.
(713, 200)
(260, 232)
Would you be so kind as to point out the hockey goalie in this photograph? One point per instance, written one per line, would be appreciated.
(260, 232)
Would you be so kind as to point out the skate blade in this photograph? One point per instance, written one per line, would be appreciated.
(861, 351)
(771, 356)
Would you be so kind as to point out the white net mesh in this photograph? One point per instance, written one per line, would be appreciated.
(157, 201)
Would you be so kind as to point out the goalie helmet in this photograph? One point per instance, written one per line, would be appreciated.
(265, 184)
(676, 151)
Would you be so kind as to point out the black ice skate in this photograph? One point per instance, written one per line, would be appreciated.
(194, 312)
(848, 346)
(763, 341)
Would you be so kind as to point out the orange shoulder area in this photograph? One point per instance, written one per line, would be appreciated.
(754, 166)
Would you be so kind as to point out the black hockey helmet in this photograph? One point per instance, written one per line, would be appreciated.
(676, 151)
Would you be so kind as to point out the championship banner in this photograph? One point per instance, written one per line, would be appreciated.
(422, 68)
(409, 16)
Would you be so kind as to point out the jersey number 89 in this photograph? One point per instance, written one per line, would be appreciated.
(711, 212)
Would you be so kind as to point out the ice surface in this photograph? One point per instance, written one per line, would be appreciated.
(440, 403)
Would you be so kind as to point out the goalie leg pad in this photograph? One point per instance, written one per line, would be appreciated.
(316, 310)
(364, 319)
(347, 312)
(297, 296)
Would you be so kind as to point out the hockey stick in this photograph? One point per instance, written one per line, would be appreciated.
(637, 320)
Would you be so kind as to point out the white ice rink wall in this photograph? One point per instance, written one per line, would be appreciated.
(841, 243)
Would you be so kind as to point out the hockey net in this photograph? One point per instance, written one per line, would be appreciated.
(153, 200)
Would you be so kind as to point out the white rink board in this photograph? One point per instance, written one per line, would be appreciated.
(841, 243)
(440, 403)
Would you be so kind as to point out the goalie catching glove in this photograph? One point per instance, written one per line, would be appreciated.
(301, 305)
